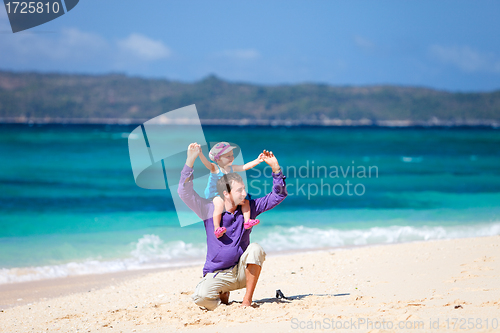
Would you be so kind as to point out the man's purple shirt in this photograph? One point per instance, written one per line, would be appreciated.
(225, 252)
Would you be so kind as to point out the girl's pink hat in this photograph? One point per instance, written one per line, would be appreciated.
(219, 149)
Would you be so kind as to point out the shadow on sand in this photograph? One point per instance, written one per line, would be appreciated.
(283, 299)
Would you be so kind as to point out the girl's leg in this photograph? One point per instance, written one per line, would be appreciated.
(218, 210)
(245, 209)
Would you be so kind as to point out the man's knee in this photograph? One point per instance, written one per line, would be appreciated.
(206, 300)
(208, 303)
(256, 254)
(206, 295)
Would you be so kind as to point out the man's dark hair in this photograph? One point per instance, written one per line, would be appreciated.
(225, 182)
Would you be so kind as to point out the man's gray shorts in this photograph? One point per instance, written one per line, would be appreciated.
(207, 291)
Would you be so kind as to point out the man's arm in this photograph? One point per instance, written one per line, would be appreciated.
(278, 193)
(186, 191)
(193, 151)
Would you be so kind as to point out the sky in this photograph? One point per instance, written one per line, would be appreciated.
(447, 45)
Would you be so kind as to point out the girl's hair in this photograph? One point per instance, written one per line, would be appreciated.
(219, 149)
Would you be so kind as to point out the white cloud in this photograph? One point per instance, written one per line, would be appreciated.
(69, 44)
(71, 48)
(240, 54)
(144, 47)
(76, 44)
(364, 43)
(466, 58)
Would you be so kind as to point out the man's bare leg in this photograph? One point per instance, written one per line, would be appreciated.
(224, 297)
(252, 276)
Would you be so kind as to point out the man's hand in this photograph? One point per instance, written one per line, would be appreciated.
(193, 152)
(270, 159)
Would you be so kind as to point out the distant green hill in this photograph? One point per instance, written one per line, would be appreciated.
(35, 95)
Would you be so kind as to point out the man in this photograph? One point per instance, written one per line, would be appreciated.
(232, 262)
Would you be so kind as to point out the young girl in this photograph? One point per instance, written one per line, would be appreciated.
(222, 155)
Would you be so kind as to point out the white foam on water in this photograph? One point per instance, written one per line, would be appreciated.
(152, 252)
(150, 248)
(300, 238)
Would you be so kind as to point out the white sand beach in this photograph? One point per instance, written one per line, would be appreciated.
(441, 286)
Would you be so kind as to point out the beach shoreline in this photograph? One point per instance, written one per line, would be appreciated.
(405, 282)
(17, 293)
(24, 292)
(21, 293)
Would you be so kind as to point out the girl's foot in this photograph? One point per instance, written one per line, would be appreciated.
(251, 223)
(219, 232)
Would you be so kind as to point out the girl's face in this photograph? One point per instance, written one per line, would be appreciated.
(226, 159)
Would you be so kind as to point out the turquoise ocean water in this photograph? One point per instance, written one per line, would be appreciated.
(69, 204)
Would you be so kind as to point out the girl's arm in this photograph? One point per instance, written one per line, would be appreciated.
(210, 166)
(249, 165)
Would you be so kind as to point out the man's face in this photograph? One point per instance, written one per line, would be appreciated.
(238, 193)
(226, 159)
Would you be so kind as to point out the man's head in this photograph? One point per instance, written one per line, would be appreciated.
(231, 188)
